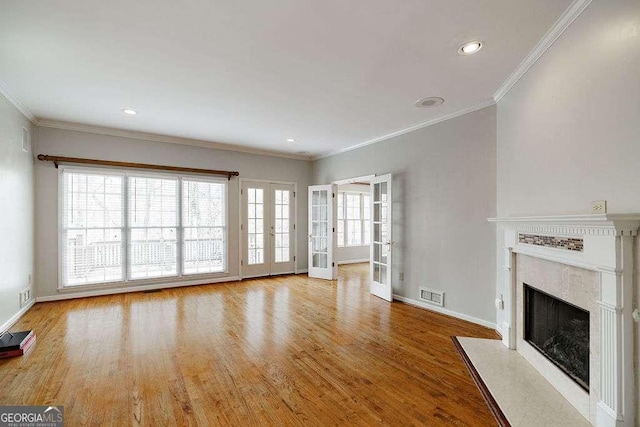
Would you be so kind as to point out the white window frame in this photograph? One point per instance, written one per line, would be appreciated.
(126, 173)
(343, 243)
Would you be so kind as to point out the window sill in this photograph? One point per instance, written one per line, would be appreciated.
(157, 282)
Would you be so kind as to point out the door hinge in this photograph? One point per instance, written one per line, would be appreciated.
(334, 229)
(241, 262)
(241, 191)
(294, 226)
(294, 258)
(333, 264)
(333, 195)
(241, 227)
(294, 194)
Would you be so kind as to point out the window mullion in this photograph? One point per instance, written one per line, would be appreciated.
(179, 230)
(125, 235)
(362, 219)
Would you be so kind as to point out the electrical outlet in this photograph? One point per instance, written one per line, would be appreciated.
(499, 304)
(25, 296)
(599, 207)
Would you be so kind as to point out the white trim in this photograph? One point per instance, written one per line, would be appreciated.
(445, 311)
(4, 90)
(112, 291)
(354, 261)
(470, 109)
(354, 180)
(575, 225)
(100, 130)
(302, 271)
(559, 27)
(13, 319)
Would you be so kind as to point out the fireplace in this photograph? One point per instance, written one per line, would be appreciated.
(586, 261)
(560, 331)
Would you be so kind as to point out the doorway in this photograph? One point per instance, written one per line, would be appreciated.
(267, 228)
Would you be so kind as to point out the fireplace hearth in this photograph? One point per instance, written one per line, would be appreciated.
(560, 331)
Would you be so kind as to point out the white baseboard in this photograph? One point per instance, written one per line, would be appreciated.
(9, 323)
(303, 271)
(112, 291)
(441, 310)
(353, 261)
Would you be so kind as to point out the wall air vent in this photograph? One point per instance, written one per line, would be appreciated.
(432, 296)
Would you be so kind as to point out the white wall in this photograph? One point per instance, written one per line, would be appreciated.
(348, 254)
(443, 191)
(88, 145)
(569, 130)
(16, 211)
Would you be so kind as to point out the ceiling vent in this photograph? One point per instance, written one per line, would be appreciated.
(432, 101)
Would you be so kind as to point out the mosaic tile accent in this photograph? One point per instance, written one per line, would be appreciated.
(568, 243)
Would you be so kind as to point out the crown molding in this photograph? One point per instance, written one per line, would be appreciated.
(471, 109)
(100, 130)
(4, 90)
(559, 27)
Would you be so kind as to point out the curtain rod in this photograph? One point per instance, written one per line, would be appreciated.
(57, 159)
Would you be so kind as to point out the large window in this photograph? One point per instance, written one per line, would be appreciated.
(354, 226)
(124, 226)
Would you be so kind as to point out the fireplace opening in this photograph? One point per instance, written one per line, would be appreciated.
(560, 331)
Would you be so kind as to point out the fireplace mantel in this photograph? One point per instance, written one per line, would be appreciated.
(575, 225)
(601, 243)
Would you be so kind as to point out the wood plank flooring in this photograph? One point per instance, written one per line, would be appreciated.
(280, 351)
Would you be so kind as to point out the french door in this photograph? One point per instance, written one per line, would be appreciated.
(267, 227)
(381, 242)
(322, 231)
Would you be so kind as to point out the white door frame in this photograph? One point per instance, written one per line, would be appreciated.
(354, 180)
(295, 220)
(348, 181)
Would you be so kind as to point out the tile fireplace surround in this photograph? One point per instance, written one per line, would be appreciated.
(588, 261)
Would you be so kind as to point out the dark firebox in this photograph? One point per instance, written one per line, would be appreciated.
(560, 331)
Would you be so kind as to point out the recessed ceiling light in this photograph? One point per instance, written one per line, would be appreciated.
(130, 112)
(470, 48)
(291, 140)
(432, 101)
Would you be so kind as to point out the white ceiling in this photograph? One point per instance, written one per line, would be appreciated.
(329, 73)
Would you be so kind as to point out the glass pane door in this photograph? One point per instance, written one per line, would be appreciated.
(281, 231)
(322, 214)
(381, 239)
(256, 257)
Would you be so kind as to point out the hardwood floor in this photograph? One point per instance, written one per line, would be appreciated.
(279, 351)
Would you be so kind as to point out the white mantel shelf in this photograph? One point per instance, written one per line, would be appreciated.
(608, 241)
(624, 224)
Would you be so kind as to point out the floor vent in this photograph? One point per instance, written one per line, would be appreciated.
(432, 296)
